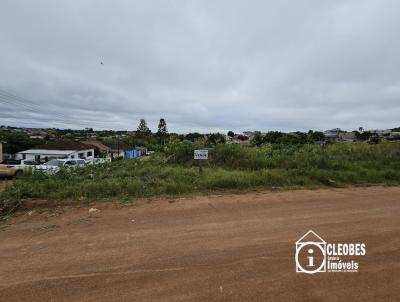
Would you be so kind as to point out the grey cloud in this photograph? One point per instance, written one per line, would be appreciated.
(202, 65)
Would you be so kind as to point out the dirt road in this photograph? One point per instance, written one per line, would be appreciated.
(216, 248)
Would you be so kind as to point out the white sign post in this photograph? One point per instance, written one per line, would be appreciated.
(201, 154)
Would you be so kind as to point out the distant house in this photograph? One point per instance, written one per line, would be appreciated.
(249, 134)
(339, 135)
(242, 139)
(61, 149)
(332, 134)
(394, 136)
(347, 137)
(380, 132)
(36, 136)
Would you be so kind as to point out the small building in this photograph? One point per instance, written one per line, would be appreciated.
(134, 153)
(57, 150)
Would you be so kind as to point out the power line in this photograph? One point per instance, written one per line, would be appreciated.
(42, 116)
(12, 99)
(18, 100)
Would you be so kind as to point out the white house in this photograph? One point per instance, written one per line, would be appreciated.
(333, 133)
(380, 132)
(63, 149)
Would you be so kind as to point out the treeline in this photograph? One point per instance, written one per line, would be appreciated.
(14, 142)
(277, 137)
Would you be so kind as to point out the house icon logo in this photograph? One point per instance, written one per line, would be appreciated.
(310, 254)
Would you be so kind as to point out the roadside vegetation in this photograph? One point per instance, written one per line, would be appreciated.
(230, 167)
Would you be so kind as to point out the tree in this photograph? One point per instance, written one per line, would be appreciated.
(273, 137)
(361, 129)
(363, 135)
(162, 130)
(257, 139)
(316, 136)
(193, 136)
(216, 138)
(14, 142)
(231, 134)
(142, 129)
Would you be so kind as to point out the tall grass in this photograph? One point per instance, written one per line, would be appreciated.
(229, 167)
(337, 156)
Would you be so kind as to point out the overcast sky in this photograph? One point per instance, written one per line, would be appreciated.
(202, 65)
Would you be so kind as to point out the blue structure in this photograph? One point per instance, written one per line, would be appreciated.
(130, 154)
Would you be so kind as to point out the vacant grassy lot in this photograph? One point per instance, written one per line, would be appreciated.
(230, 167)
